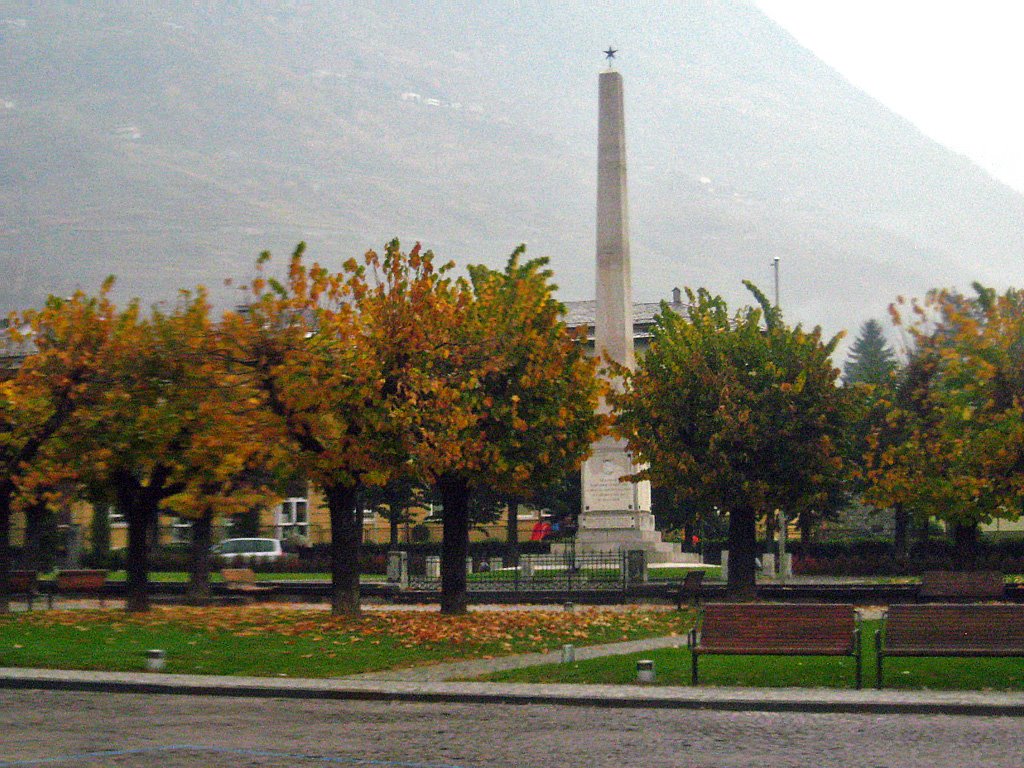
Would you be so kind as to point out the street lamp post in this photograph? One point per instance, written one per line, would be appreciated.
(783, 523)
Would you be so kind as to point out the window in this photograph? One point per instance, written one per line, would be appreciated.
(293, 518)
(116, 518)
(181, 531)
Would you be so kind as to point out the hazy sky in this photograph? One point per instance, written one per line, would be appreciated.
(952, 67)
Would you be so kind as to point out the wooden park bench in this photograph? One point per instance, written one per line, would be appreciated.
(81, 583)
(777, 629)
(689, 590)
(25, 584)
(242, 581)
(945, 586)
(937, 629)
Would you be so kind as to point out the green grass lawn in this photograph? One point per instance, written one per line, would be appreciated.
(678, 574)
(268, 641)
(672, 667)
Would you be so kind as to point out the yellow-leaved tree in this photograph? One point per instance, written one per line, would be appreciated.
(62, 352)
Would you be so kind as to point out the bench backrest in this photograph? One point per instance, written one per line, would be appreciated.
(962, 584)
(238, 575)
(763, 627)
(81, 579)
(24, 581)
(948, 626)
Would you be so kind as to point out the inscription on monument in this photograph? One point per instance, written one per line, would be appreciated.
(603, 522)
(602, 486)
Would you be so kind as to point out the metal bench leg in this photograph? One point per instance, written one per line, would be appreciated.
(693, 657)
(858, 678)
(878, 659)
(857, 658)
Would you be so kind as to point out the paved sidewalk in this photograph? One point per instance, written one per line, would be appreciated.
(682, 697)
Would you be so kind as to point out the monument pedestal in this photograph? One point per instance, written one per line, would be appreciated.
(616, 513)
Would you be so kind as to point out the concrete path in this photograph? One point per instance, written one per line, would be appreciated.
(463, 670)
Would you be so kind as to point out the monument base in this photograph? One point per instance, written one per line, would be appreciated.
(616, 512)
(618, 531)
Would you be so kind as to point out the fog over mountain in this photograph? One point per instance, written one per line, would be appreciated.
(170, 142)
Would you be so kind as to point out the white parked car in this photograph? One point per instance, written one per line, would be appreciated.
(249, 550)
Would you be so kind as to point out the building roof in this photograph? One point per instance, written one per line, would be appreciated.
(583, 313)
(12, 353)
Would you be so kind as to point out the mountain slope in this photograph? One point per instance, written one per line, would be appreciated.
(169, 143)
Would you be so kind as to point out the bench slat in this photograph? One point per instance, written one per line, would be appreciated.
(954, 626)
(968, 585)
(243, 580)
(777, 629)
(736, 625)
(937, 629)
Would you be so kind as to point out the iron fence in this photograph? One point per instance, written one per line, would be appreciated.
(562, 572)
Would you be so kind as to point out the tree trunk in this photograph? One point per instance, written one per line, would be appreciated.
(6, 494)
(806, 530)
(346, 535)
(140, 506)
(742, 585)
(901, 522)
(199, 578)
(511, 559)
(130, 503)
(923, 532)
(393, 521)
(454, 493)
(965, 538)
(35, 521)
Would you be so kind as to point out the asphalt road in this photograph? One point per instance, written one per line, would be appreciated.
(49, 728)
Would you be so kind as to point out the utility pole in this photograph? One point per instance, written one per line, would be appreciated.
(783, 523)
(775, 266)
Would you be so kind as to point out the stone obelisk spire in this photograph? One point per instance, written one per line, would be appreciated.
(616, 513)
(613, 326)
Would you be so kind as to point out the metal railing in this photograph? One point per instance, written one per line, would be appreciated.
(562, 572)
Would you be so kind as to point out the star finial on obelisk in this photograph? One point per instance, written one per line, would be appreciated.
(610, 55)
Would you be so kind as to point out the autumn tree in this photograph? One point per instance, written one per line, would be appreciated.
(223, 467)
(302, 347)
(66, 345)
(508, 401)
(959, 454)
(147, 439)
(735, 411)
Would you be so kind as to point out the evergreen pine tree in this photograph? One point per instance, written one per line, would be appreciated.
(871, 359)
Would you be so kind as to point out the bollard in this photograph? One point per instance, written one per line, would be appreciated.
(155, 659)
(645, 671)
(568, 654)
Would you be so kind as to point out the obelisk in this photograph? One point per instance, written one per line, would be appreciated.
(616, 513)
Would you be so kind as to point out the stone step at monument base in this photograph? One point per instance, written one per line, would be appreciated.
(658, 551)
(618, 538)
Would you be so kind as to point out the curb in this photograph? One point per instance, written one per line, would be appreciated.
(605, 696)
